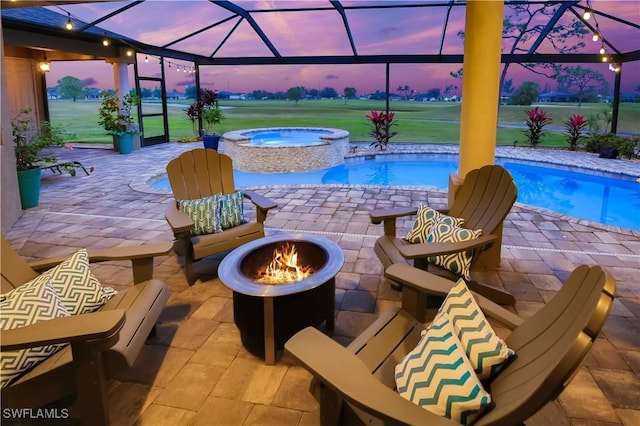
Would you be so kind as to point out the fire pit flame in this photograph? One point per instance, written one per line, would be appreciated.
(284, 267)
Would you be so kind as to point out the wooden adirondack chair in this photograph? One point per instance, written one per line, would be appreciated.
(356, 384)
(201, 173)
(101, 344)
(483, 201)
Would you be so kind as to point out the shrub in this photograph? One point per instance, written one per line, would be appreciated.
(382, 123)
(574, 126)
(536, 120)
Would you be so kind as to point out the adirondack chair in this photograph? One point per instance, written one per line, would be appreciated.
(356, 384)
(483, 201)
(101, 343)
(202, 173)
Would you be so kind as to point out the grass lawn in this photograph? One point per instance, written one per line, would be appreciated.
(433, 122)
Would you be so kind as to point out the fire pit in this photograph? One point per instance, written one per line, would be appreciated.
(281, 284)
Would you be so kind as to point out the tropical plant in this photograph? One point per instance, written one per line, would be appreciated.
(117, 120)
(574, 126)
(30, 140)
(536, 120)
(382, 123)
(208, 109)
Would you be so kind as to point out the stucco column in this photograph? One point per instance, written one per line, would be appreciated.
(480, 84)
(480, 99)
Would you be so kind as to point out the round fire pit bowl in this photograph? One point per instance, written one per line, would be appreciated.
(267, 315)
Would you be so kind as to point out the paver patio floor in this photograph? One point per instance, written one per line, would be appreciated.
(195, 371)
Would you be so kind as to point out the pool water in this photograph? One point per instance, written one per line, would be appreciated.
(287, 137)
(605, 198)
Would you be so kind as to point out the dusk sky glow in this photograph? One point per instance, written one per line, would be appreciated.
(379, 32)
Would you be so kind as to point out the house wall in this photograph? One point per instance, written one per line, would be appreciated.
(21, 87)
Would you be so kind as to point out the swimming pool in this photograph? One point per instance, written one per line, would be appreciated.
(598, 197)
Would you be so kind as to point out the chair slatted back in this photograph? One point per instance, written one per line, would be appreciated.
(200, 173)
(551, 345)
(485, 198)
(15, 270)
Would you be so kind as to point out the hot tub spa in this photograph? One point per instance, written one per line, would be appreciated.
(286, 149)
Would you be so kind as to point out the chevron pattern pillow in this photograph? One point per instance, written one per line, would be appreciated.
(231, 210)
(458, 263)
(78, 289)
(437, 375)
(204, 213)
(37, 302)
(487, 352)
(425, 219)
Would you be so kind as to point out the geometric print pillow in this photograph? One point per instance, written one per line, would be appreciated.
(37, 302)
(426, 217)
(486, 351)
(231, 210)
(77, 288)
(437, 375)
(204, 213)
(459, 263)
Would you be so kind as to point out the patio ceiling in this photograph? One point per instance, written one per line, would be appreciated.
(345, 32)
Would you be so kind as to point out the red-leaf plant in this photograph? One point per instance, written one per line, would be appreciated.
(382, 123)
(574, 126)
(536, 120)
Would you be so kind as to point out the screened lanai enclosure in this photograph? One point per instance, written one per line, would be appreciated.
(223, 45)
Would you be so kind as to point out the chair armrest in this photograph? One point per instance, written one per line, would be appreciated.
(260, 201)
(263, 205)
(141, 258)
(96, 328)
(380, 215)
(425, 282)
(344, 373)
(178, 221)
(420, 250)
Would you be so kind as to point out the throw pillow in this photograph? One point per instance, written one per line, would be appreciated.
(78, 289)
(231, 210)
(459, 263)
(437, 375)
(37, 302)
(425, 219)
(204, 213)
(487, 352)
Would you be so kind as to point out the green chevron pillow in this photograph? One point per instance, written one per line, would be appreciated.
(458, 263)
(437, 375)
(487, 352)
(231, 210)
(424, 221)
(36, 302)
(78, 289)
(204, 213)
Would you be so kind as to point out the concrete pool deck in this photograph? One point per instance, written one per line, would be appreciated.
(194, 371)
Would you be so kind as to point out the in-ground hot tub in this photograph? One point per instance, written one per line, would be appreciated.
(285, 149)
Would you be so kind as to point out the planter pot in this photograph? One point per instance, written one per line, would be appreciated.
(125, 143)
(211, 141)
(29, 186)
(608, 152)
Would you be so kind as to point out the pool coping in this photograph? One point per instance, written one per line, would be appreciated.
(539, 155)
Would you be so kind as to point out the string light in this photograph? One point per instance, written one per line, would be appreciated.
(45, 66)
(596, 36)
(68, 25)
(602, 51)
(146, 58)
(129, 52)
(587, 14)
(105, 41)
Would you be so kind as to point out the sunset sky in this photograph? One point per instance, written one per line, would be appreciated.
(384, 31)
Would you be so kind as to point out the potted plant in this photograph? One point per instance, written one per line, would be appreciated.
(208, 110)
(118, 120)
(382, 123)
(29, 142)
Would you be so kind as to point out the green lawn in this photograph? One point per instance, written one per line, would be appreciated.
(433, 122)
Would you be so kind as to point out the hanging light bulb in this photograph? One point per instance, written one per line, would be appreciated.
(68, 25)
(605, 58)
(596, 37)
(106, 42)
(45, 66)
(146, 58)
(177, 68)
(587, 14)
(129, 52)
(602, 51)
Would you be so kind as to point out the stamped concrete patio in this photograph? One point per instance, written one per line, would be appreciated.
(194, 371)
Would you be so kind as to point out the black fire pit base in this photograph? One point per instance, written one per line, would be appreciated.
(291, 313)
